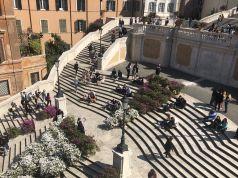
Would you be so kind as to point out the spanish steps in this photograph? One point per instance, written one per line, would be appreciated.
(199, 152)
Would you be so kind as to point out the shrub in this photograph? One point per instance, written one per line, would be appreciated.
(175, 87)
(28, 126)
(95, 25)
(42, 115)
(50, 110)
(86, 144)
(13, 132)
(35, 46)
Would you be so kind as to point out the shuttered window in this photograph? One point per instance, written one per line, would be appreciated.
(2, 56)
(42, 4)
(61, 5)
(18, 26)
(161, 7)
(152, 7)
(35, 77)
(111, 5)
(80, 26)
(44, 26)
(62, 25)
(126, 5)
(170, 7)
(80, 5)
(4, 88)
(17, 4)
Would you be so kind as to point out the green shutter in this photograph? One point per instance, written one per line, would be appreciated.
(38, 4)
(46, 3)
(19, 4)
(44, 26)
(83, 5)
(62, 25)
(57, 4)
(65, 5)
(107, 8)
(113, 5)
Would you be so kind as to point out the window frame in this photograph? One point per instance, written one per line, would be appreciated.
(83, 26)
(111, 5)
(152, 7)
(42, 28)
(8, 87)
(3, 51)
(38, 75)
(17, 20)
(168, 7)
(17, 4)
(60, 29)
(82, 6)
(42, 4)
(161, 8)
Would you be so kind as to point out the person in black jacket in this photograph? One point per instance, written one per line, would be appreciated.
(169, 146)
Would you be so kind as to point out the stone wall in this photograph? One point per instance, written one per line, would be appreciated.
(199, 53)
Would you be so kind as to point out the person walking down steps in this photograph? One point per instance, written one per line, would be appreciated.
(128, 69)
(169, 146)
(76, 68)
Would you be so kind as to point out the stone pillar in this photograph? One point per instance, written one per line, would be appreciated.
(121, 161)
(61, 104)
(99, 63)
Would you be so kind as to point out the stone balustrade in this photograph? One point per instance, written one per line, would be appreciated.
(214, 17)
(222, 39)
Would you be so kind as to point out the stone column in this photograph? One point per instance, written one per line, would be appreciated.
(61, 104)
(121, 161)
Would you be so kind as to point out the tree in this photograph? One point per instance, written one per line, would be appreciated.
(53, 50)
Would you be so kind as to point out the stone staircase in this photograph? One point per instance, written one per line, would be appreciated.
(199, 152)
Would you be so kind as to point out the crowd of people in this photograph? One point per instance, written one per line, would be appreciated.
(124, 90)
(219, 98)
(216, 122)
(90, 97)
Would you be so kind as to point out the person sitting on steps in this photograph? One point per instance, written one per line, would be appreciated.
(211, 116)
(114, 73)
(92, 97)
(180, 102)
(119, 74)
(223, 126)
(216, 123)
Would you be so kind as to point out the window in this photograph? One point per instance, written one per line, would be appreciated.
(80, 25)
(111, 5)
(17, 4)
(80, 5)
(4, 88)
(42, 4)
(152, 7)
(18, 25)
(126, 5)
(2, 56)
(137, 5)
(170, 7)
(62, 25)
(44, 26)
(61, 5)
(35, 77)
(161, 7)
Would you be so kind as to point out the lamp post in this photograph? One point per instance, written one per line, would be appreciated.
(59, 92)
(100, 31)
(122, 146)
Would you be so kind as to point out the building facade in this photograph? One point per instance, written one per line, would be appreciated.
(16, 73)
(162, 8)
(68, 18)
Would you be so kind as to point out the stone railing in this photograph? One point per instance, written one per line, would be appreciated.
(222, 39)
(140, 28)
(213, 17)
(114, 55)
(67, 56)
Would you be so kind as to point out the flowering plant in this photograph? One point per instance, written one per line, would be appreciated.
(175, 86)
(28, 126)
(115, 120)
(51, 111)
(49, 156)
(51, 166)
